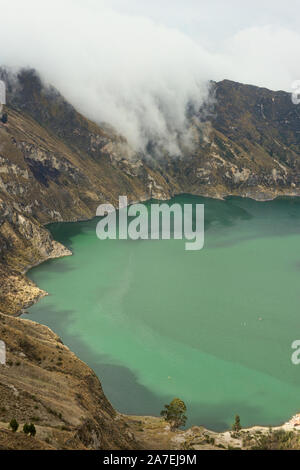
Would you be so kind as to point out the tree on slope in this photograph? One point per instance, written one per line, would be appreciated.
(174, 413)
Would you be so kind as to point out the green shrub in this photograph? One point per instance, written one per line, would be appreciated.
(174, 413)
(14, 425)
(237, 424)
(29, 429)
(277, 440)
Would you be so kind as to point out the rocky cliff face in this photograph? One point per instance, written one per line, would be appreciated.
(56, 165)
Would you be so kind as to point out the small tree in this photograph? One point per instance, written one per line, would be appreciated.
(26, 428)
(174, 413)
(14, 425)
(32, 430)
(29, 429)
(237, 424)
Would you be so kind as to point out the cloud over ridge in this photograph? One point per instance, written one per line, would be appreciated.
(134, 72)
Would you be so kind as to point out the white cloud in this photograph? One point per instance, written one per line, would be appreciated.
(136, 65)
(266, 56)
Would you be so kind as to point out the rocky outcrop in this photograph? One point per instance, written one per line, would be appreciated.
(23, 243)
(155, 433)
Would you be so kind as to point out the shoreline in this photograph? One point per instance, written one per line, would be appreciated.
(69, 252)
(285, 425)
(65, 252)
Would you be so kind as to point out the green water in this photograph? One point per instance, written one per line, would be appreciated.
(213, 327)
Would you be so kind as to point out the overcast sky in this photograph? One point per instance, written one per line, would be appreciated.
(136, 63)
(215, 20)
(259, 39)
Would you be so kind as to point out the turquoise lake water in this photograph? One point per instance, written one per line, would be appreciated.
(213, 327)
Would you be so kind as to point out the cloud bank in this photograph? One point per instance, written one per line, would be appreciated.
(135, 70)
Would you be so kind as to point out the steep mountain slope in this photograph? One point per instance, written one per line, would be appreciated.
(56, 165)
(47, 176)
(265, 126)
(45, 383)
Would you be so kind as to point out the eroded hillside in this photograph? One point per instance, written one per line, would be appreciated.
(43, 382)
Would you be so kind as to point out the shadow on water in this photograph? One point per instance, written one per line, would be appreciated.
(218, 213)
(127, 395)
(43, 271)
(120, 384)
(64, 232)
(226, 212)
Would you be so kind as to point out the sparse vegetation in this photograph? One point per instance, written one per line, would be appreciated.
(4, 118)
(221, 446)
(29, 429)
(14, 425)
(277, 440)
(237, 424)
(174, 413)
(26, 428)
